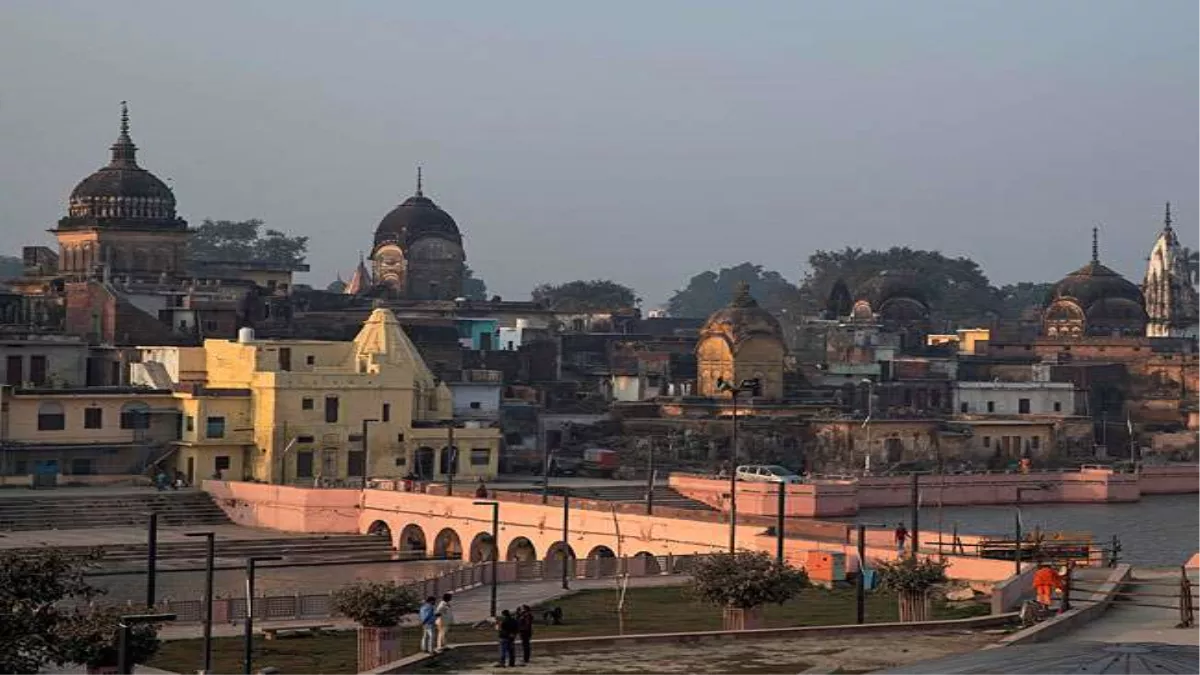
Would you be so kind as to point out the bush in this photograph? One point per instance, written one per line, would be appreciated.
(375, 605)
(745, 580)
(35, 588)
(910, 575)
(93, 637)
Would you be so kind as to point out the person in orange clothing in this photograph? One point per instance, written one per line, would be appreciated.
(1045, 581)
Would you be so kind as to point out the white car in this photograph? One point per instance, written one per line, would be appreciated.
(767, 474)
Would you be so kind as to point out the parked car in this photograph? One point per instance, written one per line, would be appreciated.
(769, 473)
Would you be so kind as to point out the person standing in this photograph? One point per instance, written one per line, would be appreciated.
(901, 537)
(525, 631)
(1045, 581)
(428, 616)
(507, 629)
(443, 619)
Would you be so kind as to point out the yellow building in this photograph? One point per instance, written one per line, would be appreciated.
(286, 411)
(739, 342)
(965, 340)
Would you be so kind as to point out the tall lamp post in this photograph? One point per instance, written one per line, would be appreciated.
(755, 387)
(495, 548)
(366, 450)
(125, 638)
(1017, 523)
(452, 464)
(566, 543)
(867, 422)
(209, 565)
(151, 558)
(248, 635)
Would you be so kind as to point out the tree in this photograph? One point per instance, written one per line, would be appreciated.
(742, 582)
(11, 267)
(709, 291)
(34, 625)
(1014, 299)
(600, 295)
(93, 637)
(473, 288)
(956, 288)
(378, 608)
(241, 241)
(911, 579)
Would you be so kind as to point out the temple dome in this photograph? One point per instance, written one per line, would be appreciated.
(1094, 283)
(415, 218)
(742, 319)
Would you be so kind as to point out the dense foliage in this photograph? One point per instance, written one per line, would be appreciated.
(245, 241)
(473, 288)
(11, 267)
(745, 580)
(375, 605)
(93, 637)
(911, 575)
(709, 291)
(600, 295)
(34, 587)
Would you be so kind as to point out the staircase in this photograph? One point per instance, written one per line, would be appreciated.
(60, 510)
(663, 496)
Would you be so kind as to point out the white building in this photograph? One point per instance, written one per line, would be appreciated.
(1016, 398)
(1171, 297)
(477, 395)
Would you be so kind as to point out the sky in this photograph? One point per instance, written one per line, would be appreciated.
(643, 142)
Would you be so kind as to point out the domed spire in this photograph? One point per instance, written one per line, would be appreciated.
(420, 183)
(1096, 245)
(124, 152)
(1167, 218)
(742, 297)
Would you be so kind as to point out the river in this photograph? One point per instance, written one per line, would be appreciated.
(1158, 531)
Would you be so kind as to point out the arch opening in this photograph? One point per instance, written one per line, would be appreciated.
(649, 561)
(412, 541)
(483, 548)
(381, 529)
(448, 545)
(601, 552)
(521, 550)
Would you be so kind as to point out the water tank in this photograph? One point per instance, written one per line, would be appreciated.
(246, 335)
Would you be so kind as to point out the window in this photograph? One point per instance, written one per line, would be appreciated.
(304, 439)
(481, 457)
(1023, 406)
(304, 464)
(987, 441)
(1035, 442)
(214, 427)
(386, 413)
(81, 466)
(400, 438)
(356, 463)
(310, 360)
(14, 371)
(37, 370)
(210, 325)
(285, 358)
(991, 406)
(476, 405)
(1057, 406)
(93, 418)
(135, 415)
(221, 462)
(963, 407)
(331, 409)
(191, 423)
(401, 460)
(306, 403)
(51, 417)
(20, 467)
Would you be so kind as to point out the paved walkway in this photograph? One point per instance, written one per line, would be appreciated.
(118, 536)
(1125, 622)
(469, 606)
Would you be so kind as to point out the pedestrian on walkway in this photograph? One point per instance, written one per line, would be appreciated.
(443, 619)
(901, 537)
(428, 617)
(1045, 581)
(507, 629)
(525, 631)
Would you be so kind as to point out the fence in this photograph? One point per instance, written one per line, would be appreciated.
(1164, 593)
(296, 606)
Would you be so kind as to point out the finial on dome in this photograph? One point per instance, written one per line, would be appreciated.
(420, 182)
(1167, 217)
(1095, 244)
(741, 295)
(124, 152)
(124, 118)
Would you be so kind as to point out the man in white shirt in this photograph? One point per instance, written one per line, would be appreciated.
(443, 619)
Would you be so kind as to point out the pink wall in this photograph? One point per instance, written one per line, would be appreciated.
(1174, 479)
(825, 499)
(289, 509)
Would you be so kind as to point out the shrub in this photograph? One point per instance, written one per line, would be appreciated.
(909, 575)
(93, 637)
(375, 605)
(745, 580)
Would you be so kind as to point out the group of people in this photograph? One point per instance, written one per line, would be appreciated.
(513, 626)
(436, 617)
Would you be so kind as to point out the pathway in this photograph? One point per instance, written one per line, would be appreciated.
(469, 606)
(1124, 622)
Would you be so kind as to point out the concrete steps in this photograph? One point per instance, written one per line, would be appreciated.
(59, 510)
(317, 547)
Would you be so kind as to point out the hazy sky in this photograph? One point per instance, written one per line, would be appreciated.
(639, 141)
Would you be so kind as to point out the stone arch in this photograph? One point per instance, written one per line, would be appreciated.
(483, 548)
(601, 551)
(557, 549)
(521, 550)
(412, 540)
(447, 544)
(649, 561)
(380, 528)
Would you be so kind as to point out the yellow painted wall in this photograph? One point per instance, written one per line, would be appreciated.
(22, 414)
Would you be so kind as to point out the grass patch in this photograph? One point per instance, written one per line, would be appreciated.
(662, 609)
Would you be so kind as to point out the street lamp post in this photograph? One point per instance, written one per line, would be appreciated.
(495, 548)
(248, 635)
(650, 482)
(209, 565)
(753, 386)
(452, 464)
(867, 422)
(366, 451)
(151, 558)
(1017, 524)
(566, 549)
(125, 638)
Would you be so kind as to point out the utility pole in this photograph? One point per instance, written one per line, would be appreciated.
(650, 482)
(733, 479)
(568, 561)
(915, 504)
(453, 463)
(860, 590)
(779, 522)
(151, 559)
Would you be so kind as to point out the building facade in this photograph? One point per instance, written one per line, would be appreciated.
(1172, 304)
(739, 342)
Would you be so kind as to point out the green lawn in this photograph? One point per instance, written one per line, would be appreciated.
(591, 612)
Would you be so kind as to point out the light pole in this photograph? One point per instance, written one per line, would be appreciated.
(151, 558)
(452, 464)
(867, 422)
(495, 547)
(366, 451)
(753, 386)
(125, 638)
(209, 564)
(1017, 523)
(650, 482)
(248, 635)
(566, 550)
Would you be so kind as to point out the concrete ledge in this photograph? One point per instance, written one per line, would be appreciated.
(1007, 595)
(413, 663)
(1083, 612)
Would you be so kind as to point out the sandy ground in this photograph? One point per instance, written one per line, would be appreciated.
(817, 655)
